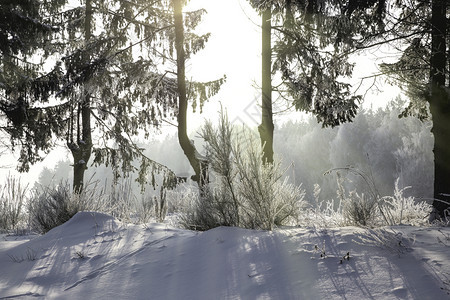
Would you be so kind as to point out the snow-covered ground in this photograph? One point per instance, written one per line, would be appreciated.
(94, 256)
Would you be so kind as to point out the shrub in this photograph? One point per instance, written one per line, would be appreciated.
(246, 192)
(144, 208)
(357, 208)
(196, 213)
(12, 201)
(265, 197)
(54, 205)
(50, 207)
(222, 202)
(322, 213)
(120, 200)
(398, 209)
(201, 213)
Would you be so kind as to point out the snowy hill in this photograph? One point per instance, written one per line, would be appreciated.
(94, 256)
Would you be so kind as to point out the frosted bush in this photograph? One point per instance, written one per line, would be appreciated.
(12, 201)
(266, 199)
(144, 208)
(354, 209)
(121, 200)
(322, 213)
(199, 213)
(398, 209)
(188, 210)
(246, 192)
(348, 209)
(357, 209)
(54, 205)
(180, 198)
(291, 203)
(51, 207)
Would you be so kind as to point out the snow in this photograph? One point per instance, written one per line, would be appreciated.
(94, 256)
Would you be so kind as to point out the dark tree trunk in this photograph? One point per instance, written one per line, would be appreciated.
(440, 107)
(82, 149)
(199, 165)
(266, 128)
(81, 152)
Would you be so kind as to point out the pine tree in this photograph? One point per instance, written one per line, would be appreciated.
(315, 39)
(112, 89)
(310, 57)
(112, 83)
(27, 29)
(183, 51)
(421, 29)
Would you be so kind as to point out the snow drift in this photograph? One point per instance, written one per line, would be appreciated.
(94, 256)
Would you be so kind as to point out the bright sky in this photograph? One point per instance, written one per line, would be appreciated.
(234, 49)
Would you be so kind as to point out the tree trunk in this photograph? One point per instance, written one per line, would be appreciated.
(199, 165)
(440, 107)
(81, 151)
(266, 128)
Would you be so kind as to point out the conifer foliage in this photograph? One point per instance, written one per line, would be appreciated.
(112, 80)
(315, 38)
(420, 32)
(26, 34)
(311, 55)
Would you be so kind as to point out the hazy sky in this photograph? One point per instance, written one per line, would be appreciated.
(235, 50)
